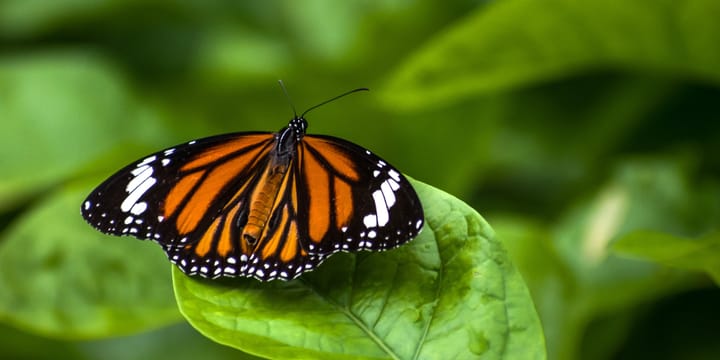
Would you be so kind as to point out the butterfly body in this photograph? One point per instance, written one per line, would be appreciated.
(263, 205)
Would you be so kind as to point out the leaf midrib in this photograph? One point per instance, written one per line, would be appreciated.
(358, 322)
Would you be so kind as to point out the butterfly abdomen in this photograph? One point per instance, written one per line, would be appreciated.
(262, 201)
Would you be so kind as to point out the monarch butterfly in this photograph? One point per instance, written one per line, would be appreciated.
(259, 204)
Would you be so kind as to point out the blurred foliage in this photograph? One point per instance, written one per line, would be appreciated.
(568, 124)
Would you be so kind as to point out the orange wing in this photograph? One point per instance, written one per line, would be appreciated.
(352, 200)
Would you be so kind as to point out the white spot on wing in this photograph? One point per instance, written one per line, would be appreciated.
(380, 208)
(393, 184)
(388, 194)
(135, 195)
(141, 174)
(138, 208)
(147, 160)
(394, 174)
(370, 221)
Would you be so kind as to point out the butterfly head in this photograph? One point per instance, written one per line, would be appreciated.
(299, 125)
(289, 136)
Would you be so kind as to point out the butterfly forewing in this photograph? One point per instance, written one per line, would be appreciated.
(259, 205)
(152, 198)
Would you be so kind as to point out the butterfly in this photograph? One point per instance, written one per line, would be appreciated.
(259, 204)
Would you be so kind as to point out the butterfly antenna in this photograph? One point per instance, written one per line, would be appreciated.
(287, 96)
(333, 99)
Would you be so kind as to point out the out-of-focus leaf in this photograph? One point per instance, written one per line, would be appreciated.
(176, 342)
(24, 18)
(644, 193)
(18, 345)
(451, 293)
(520, 42)
(57, 111)
(572, 275)
(61, 278)
(323, 39)
(231, 53)
(701, 254)
(519, 142)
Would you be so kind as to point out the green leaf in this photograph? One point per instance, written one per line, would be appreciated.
(61, 278)
(510, 44)
(450, 293)
(702, 253)
(58, 110)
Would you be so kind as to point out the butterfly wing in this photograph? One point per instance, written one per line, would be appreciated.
(194, 200)
(352, 200)
(172, 195)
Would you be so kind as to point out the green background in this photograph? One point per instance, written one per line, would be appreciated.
(587, 133)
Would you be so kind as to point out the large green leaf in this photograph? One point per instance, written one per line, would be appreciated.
(520, 42)
(451, 293)
(701, 254)
(61, 278)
